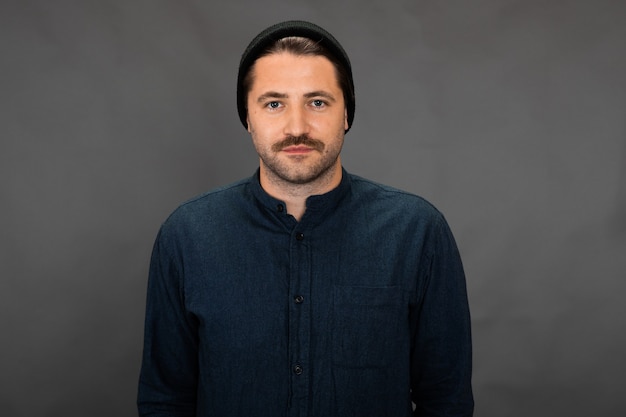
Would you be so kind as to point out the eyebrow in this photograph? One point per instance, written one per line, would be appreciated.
(273, 94)
(270, 94)
(320, 93)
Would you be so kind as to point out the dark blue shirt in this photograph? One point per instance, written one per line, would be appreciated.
(358, 309)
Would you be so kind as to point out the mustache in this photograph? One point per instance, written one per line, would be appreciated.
(315, 144)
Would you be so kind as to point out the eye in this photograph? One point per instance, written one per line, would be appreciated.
(318, 103)
(273, 105)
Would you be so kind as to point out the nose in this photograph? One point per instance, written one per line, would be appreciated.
(297, 122)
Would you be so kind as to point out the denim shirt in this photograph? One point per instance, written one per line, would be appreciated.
(359, 309)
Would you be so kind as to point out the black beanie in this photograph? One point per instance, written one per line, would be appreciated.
(283, 30)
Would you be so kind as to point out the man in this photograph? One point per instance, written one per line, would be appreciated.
(304, 290)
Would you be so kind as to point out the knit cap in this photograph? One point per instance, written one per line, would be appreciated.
(283, 30)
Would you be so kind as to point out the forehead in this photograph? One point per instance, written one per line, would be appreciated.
(287, 69)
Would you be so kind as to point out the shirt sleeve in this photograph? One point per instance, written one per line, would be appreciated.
(169, 372)
(441, 361)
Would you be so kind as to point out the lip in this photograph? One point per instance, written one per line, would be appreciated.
(299, 149)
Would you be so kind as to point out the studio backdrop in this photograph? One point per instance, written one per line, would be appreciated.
(508, 115)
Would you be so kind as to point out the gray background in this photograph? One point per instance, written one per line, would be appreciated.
(508, 115)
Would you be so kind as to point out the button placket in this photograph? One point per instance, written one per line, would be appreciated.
(300, 315)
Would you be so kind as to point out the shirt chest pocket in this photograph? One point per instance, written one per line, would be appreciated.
(370, 326)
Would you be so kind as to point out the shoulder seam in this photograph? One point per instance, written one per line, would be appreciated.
(394, 190)
(215, 191)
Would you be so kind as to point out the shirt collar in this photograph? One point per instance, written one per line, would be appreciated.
(316, 205)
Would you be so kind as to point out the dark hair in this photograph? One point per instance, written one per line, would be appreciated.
(301, 46)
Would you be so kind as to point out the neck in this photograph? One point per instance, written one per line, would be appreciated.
(295, 195)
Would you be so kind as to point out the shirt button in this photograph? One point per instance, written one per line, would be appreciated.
(299, 236)
(280, 208)
(297, 370)
(298, 299)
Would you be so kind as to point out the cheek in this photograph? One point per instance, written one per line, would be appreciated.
(264, 126)
(254, 124)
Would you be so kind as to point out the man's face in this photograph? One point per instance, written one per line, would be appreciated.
(296, 117)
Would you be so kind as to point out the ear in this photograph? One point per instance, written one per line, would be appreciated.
(345, 120)
(248, 124)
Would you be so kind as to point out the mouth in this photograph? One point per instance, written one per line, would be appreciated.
(297, 150)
